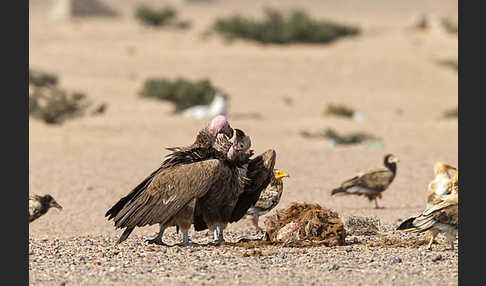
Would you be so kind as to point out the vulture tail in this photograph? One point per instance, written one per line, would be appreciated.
(407, 225)
(125, 234)
(337, 191)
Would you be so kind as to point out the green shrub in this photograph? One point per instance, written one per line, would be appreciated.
(41, 78)
(276, 28)
(351, 138)
(451, 113)
(54, 105)
(450, 64)
(183, 93)
(164, 17)
(338, 110)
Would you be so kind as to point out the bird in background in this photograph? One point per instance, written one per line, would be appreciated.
(269, 198)
(442, 216)
(371, 183)
(39, 205)
(219, 106)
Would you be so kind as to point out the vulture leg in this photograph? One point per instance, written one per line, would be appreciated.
(450, 238)
(255, 223)
(157, 239)
(185, 239)
(432, 237)
(220, 235)
(376, 204)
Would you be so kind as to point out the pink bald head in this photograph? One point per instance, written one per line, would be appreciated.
(220, 124)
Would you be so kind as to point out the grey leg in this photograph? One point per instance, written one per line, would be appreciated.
(185, 239)
(157, 239)
(255, 223)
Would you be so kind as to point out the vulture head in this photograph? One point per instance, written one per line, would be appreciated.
(241, 144)
(220, 124)
(391, 159)
(48, 202)
(442, 168)
(279, 174)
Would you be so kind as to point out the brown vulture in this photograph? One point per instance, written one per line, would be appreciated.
(442, 216)
(370, 183)
(201, 149)
(269, 198)
(259, 172)
(39, 205)
(440, 185)
(170, 197)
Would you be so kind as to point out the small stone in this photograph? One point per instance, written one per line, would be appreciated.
(396, 260)
(334, 267)
(437, 258)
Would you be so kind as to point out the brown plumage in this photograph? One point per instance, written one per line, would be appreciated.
(440, 185)
(201, 149)
(371, 183)
(214, 210)
(39, 205)
(269, 198)
(169, 199)
(442, 216)
(259, 172)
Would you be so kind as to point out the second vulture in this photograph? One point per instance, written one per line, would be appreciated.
(371, 183)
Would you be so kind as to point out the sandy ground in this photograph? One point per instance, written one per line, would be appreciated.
(388, 72)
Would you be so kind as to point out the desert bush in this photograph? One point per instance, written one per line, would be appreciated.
(164, 17)
(338, 110)
(182, 92)
(351, 138)
(276, 28)
(451, 113)
(41, 78)
(450, 64)
(54, 105)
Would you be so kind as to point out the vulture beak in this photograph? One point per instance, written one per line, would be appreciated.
(281, 174)
(228, 131)
(54, 204)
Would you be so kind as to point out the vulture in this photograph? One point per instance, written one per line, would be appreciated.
(170, 197)
(269, 198)
(259, 172)
(439, 186)
(217, 132)
(370, 183)
(39, 205)
(442, 216)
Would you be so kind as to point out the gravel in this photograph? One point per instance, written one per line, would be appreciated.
(89, 260)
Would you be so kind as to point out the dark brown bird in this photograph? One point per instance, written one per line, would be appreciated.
(259, 172)
(269, 198)
(170, 197)
(370, 183)
(201, 149)
(39, 205)
(442, 217)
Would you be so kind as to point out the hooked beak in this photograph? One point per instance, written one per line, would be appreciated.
(228, 131)
(56, 205)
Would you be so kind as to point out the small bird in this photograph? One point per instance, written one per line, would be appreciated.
(370, 183)
(440, 185)
(442, 216)
(269, 198)
(39, 205)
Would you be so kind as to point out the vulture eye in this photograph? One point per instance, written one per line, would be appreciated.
(241, 145)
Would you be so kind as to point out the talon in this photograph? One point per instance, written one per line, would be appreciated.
(156, 240)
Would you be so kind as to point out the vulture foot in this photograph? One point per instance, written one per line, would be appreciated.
(156, 240)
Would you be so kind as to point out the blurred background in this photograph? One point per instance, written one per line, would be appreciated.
(332, 86)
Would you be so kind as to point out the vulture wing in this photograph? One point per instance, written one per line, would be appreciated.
(444, 212)
(259, 173)
(168, 192)
(375, 179)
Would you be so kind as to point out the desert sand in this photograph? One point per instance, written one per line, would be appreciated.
(389, 72)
